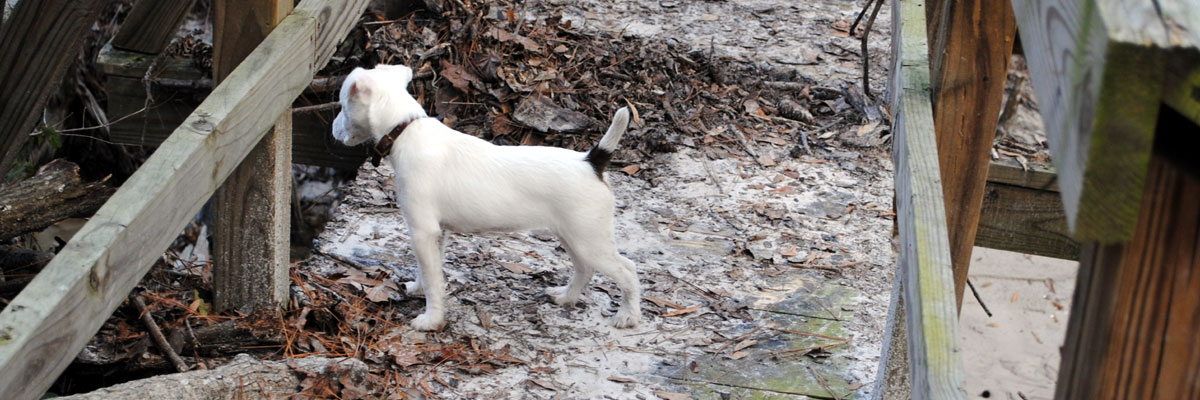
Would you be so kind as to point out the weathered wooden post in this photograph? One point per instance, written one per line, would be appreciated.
(251, 228)
(969, 46)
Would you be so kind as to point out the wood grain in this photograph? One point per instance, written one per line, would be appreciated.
(37, 44)
(970, 44)
(46, 325)
(1025, 220)
(251, 224)
(934, 354)
(53, 194)
(151, 25)
(1132, 331)
(1097, 68)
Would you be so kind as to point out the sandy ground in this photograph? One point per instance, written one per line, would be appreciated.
(1015, 352)
(763, 278)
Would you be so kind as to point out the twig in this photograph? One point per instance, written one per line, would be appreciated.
(317, 108)
(867, 57)
(819, 379)
(860, 15)
(1010, 103)
(157, 335)
(979, 299)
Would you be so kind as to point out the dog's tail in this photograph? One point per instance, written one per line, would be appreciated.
(600, 155)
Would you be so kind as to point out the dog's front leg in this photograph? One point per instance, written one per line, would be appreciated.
(427, 244)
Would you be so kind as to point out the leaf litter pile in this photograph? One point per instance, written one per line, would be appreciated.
(512, 74)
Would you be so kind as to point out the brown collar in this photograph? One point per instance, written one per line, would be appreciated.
(384, 147)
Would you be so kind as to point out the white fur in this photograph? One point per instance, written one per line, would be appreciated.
(447, 180)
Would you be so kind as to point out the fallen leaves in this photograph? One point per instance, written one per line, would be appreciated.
(684, 311)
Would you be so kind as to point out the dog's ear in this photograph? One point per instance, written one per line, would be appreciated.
(362, 88)
(405, 72)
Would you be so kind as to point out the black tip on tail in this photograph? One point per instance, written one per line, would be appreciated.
(598, 158)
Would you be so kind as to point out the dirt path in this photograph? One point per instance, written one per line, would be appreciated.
(764, 275)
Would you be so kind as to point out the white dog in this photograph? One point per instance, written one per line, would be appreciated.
(447, 180)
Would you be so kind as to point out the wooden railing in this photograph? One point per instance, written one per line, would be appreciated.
(43, 328)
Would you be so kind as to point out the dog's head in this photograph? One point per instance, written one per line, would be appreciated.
(373, 101)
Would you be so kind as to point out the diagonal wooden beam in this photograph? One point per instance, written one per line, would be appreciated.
(970, 44)
(46, 325)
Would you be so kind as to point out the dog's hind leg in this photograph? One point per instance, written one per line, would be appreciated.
(569, 294)
(428, 248)
(623, 271)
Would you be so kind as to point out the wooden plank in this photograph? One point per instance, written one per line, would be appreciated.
(46, 325)
(311, 140)
(1032, 176)
(1022, 212)
(116, 62)
(1098, 73)
(936, 366)
(1025, 220)
(37, 44)
(1133, 324)
(151, 25)
(970, 46)
(252, 220)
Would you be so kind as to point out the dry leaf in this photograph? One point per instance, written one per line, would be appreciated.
(378, 293)
(688, 310)
(738, 355)
(744, 344)
(788, 250)
(542, 384)
(516, 268)
(459, 77)
(854, 386)
(621, 379)
(562, 48)
(631, 169)
(710, 17)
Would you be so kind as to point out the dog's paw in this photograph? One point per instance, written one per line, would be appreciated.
(425, 322)
(413, 289)
(559, 295)
(626, 318)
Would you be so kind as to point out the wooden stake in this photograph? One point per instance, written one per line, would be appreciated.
(251, 228)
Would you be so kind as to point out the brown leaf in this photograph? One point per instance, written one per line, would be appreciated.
(378, 293)
(516, 268)
(621, 379)
(459, 77)
(631, 169)
(688, 310)
(542, 384)
(562, 48)
(788, 250)
(738, 355)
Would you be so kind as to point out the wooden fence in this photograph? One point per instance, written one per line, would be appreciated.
(50, 321)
